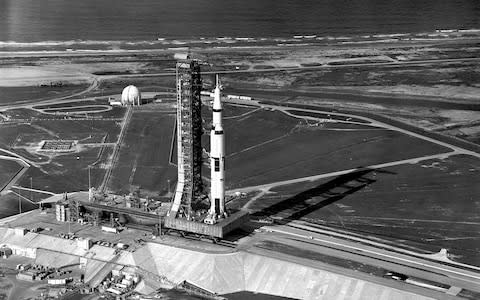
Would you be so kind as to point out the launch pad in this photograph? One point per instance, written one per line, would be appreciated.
(218, 230)
(188, 211)
(195, 207)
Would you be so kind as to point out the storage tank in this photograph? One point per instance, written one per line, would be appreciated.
(131, 96)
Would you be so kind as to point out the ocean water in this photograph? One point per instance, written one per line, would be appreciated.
(27, 21)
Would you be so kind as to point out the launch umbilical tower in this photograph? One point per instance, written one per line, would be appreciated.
(189, 138)
(188, 212)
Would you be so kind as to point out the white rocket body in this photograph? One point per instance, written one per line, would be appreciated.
(217, 162)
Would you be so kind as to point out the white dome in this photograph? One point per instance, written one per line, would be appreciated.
(131, 95)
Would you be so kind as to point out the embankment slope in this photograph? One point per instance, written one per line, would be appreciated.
(222, 273)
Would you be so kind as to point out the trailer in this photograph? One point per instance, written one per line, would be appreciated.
(109, 229)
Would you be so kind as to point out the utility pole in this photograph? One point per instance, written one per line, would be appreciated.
(31, 188)
(19, 204)
(89, 181)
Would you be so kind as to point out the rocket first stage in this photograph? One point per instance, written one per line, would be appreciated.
(217, 162)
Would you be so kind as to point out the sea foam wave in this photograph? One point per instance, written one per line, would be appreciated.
(299, 39)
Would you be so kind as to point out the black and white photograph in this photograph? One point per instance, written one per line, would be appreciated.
(239, 149)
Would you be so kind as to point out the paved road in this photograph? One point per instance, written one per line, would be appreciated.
(18, 159)
(324, 265)
(98, 145)
(465, 278)
(116, 151)
(76, 110)
(344, 234)
(34, 190)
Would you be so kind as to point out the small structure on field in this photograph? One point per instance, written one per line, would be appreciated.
(57, 146)
(5, 252)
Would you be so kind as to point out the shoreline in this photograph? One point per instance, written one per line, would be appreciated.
(161, 44)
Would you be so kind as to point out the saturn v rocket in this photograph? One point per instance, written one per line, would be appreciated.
(217, 162)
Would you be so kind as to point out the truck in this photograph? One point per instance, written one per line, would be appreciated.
(109, 229)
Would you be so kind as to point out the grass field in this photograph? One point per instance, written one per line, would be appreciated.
(82, 109)
(233, 111)
(32, 195)
(144, 155)
(5, 288)
(255, 129)
(325, 116)
(10, 205)
(8, 169)
(307, 152)
(24, 114)
(28, 94)
(145, 84)
(426, 206)
(37, 130)
(77, 129)
(8, 134)
(26, 139)
(63, 172)
(262, 147)
(66, 173)
(72, 104)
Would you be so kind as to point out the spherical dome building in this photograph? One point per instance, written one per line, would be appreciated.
(131, 96)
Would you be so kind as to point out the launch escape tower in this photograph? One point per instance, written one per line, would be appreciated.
(189, 137)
